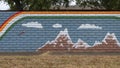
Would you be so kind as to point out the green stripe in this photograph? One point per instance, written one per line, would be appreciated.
(10, 28)
(71, 17)
(58, 17)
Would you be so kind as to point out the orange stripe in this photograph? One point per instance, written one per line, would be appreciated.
(9, 19)
(55, 12)
(73, 12)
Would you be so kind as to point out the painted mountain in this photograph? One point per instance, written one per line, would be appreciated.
(80, 44)
(110, 41)
(63, 42)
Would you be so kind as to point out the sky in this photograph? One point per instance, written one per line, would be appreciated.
(5, 6)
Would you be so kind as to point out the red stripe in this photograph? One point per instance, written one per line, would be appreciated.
(11, 17)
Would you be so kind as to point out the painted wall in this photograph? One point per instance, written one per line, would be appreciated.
(28, 31)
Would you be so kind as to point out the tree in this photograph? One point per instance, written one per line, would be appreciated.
(15, 4)
(37, 4)
(93, 4)
(110, 4)
(57, 4)
(100, 4)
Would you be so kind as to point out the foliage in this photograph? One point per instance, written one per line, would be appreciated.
(100, 4)
(111, 4)
(56, 4)
(37, 4)
(93, 4)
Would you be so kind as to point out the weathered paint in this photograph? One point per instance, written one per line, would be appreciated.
(17, 33)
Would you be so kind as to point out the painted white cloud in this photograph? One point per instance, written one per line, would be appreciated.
(57, 25)
(33, 25)
(89, 26)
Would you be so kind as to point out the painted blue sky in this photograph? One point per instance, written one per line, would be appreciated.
(33, 33)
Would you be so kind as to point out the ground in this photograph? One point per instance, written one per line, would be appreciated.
(49, 60)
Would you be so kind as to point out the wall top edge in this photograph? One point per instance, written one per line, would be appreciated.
(66, 12)
(70, 12)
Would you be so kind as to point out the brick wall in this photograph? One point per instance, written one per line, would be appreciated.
(31, 31)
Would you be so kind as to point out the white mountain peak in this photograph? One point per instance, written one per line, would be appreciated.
(81, 43)
(111, 36)
(108, 33)
(79, 40)
(96, 43)
(64, 33)
(48, 42)
(115, 38)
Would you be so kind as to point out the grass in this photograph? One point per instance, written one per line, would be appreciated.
(47, 60)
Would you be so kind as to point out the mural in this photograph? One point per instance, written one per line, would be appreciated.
(59, 31)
